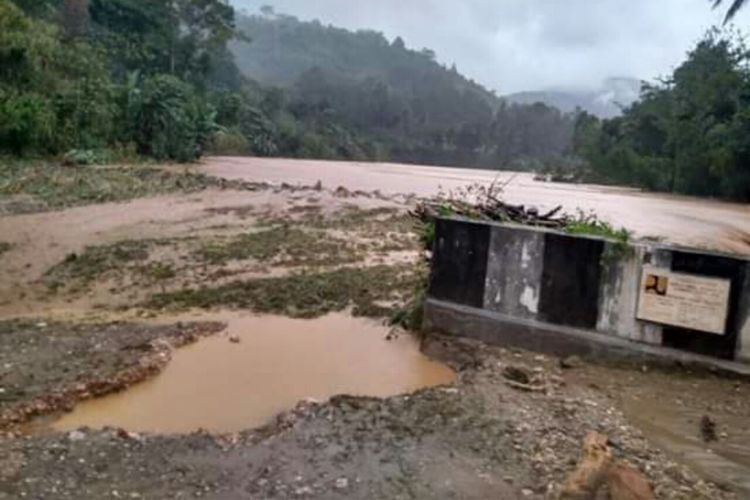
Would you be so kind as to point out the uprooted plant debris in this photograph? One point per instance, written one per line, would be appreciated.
(485, 202)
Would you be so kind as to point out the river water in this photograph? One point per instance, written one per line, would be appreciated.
(677, 219)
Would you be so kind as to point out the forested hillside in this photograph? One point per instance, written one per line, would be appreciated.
(400, 102)
(688, 134)
(95, 78)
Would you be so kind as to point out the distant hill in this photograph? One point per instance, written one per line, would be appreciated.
(605, 102)
(399, 103)
(284, 49)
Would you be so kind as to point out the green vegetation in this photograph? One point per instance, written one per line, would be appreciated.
(343, 94)
(4, 247)
(86, 267)
(304, 295)
(734, 8)
(81, 270)
(689, 134)
(54, 186)
(287, 246)
(590, 225)
(80, 75)
(80, 79)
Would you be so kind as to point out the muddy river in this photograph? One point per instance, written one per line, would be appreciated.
(261, 366)
(679, 219)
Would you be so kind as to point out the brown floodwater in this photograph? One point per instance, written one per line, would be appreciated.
(223, 386)
(677, 219)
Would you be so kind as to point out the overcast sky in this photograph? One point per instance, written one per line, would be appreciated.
(514, 45)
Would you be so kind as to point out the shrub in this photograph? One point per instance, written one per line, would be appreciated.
(169, 120)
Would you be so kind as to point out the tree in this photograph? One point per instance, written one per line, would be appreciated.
(75, 17)
(733, 8)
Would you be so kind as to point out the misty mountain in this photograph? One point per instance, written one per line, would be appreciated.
(605, 102)
(284, 48)
(394, 102)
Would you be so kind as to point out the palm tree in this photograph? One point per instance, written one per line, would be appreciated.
(733, 9)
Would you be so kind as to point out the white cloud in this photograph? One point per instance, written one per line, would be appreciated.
(514, 45)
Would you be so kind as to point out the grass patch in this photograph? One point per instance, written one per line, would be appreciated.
(94, 261)
(54, 186)
(4, 247)
(592, 226)
(305, 295)
(289, 246)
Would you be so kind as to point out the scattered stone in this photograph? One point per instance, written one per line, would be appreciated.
(570, 362)
(76, 435)
(517, 374)
(234, 339)
(342, 483)
(708, 429)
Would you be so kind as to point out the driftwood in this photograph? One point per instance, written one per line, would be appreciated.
(596, 469)
(485, 202)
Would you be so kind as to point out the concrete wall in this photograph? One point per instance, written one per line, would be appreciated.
(545, 287)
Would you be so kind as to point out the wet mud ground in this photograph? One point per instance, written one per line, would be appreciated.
(86, 300)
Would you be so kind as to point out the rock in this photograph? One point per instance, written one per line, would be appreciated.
(318, 186)
(303, 491)
(708, 429)
(234, 339)
(76, 435)
(571, 362)
(527, 492)
(124, 434)
(517, 374)
(342, 192)
(342, 483)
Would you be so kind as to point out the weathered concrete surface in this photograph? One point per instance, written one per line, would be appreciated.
(499, 329)
(620, 281)
(743, 342)
(514, 272)
(540, 281)
(460, 264)
(718, 266)
(570, 279)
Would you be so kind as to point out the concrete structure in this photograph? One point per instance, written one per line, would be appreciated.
(562, 293)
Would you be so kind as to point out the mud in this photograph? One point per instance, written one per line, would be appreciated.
(98, 285)
(678, 219)
(261, 366)
(49, 367)
(480, 438)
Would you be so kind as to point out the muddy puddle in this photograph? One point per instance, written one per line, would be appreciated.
(260, 366)
(676, 430)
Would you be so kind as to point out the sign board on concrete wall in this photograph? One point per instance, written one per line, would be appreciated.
(685, 300)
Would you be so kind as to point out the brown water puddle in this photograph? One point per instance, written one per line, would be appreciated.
(222, 386)
(676, 430)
